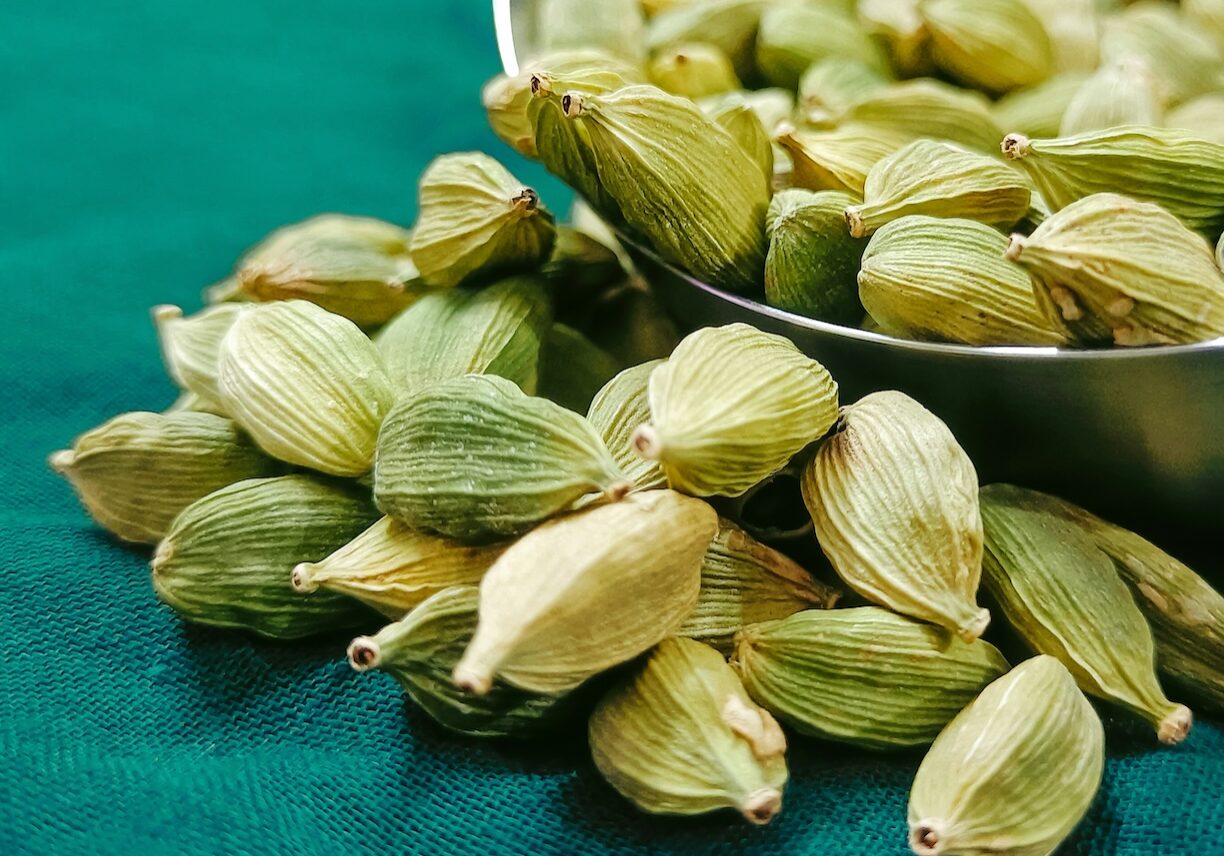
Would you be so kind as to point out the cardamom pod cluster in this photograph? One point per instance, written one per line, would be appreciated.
(793, 36)
(693, 71)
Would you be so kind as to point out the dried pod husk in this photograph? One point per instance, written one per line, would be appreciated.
(1014, 772)
(928, 108)
(898, 26)
(1131, 266)
(813, 262)
(191, 347)
(392, 567)
(941, 180)
(1171, 168)
(420, 650)
(837, 159)
(1202, 116)
(357, 267)
(794, 35)
(1207, 16)
(655, 152)
(477, 221)
(453, 332)
(614, 26)
(1121, 93)
(225, 561)
(1185, 60)
(573, 368)
(894, 499)
(739, 119)
(941, 280)
(772, 105)
(137, 471)
(616, 412)
(730, 25)
(745, 582)
(506, 99)
(1038, 110)
(833, 85)
(730, 407)
(1064, 597)
(693, 70)
(565, 601)
(475, 458)
(633, 327)
(682, 737)
(1074, 29)
(865, 676)
(992, 45)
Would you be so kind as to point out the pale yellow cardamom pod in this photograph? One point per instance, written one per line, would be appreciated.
(617, 410)
(992, 45)
(1182, 56)
(191, 347)
(1121, 93)
(1037, 111)
(928, 108)
(793, 36)
(694, 70)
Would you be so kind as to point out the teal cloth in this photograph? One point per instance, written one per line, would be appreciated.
(143, 145)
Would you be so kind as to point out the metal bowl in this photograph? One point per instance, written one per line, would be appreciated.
(1136, 435)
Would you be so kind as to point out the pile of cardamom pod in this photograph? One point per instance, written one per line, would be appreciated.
(483, 432)
(874, 180)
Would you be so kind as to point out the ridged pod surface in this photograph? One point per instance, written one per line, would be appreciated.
(943, 280)
(1037, 111)
(1074, 30)
(683, 737)
(929, 108)
(392, 568)
(1064, 597)
(420, 650)
(1121, 93)
(1014, 772)
(1208, 16)
(137, 471)
(191, 347)
(865, 676)
(839, 158)
(476, 458)
(992, 45)
(793, 36)
(225, 561)
(587, 591)
(899, 27)
(737, 116)
(1203, 117)
(616, 412)
(1183, 58)
(693, 70)
(832, 85)
(813, 261)
(895, 502)
(730, 407)
(307, 385)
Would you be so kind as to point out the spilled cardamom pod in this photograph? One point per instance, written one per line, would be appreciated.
(616, 412)
(837, 159)
(793, 36)
(992, 45)
(191, 347)
(928, 108)
(573, 368)
(1038, 110)
(693, 70)
(1183, 59)
(1121, 93)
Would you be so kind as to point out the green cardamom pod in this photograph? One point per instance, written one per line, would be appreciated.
(833, 85)
(357, 267)
(894, 499)
(1131, 267)
(792, 36)
(614, 26)
(477, 221)
(1074, 30)
(136, 472)
(940, 280)
(682, 737)
(1038, 110)
(693, 70)
(453, 332)
(992, 45)
(730, 407)
(392, 568)
(865, 676)
(573, 368)
(1185, 60)
(307, 385)
(225, 561)
(191, 347)
(730, 25)
(616, 412)
(476, 458)
(942, 180)
(813, 263)
(1171, 168)
(897, 25)
(1014, 772)
(1064, 597)
(772, 105)
(1207, 16)
(837, 159)
(565, 601)
(928, 108)
(745, 582)
(1121, 93)
(1203, 117)
(740, 119)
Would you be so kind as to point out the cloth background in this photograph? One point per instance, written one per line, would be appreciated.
(143, 145)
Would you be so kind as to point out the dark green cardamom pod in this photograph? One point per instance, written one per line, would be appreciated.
(573, 368)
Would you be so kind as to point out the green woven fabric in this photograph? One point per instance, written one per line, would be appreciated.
(143, 145)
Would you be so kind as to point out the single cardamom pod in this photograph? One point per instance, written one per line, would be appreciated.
(772, 105)
(616, 411)
(357, 267)
(574, 369)
(225, 561)
(453, 332)
(730, 25)
(792, 36)
(477, 221)
(894, 499)
(420, 650)
(1202, 116)
(740, 119)
(940, 280)
(392, 568)
(614, 26)
(837, 159)
(1064, 597)
(745, 582)
(1131, 266)
(813, 263)
(652, 151)
(307, 385)
(928, 108)
(942, 180)
(730, 407)
(1014, 772)
(565, 601)
(191, 347)
(693, 70)
(682, 737)
(1121, 93)
(1207, 16)
(136, 472)
(1074, 30)
(1181, 57)
(897, 25)
(992, 45)
(864, 676)
(1038, 110)
(831, 86)
(475, 458)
